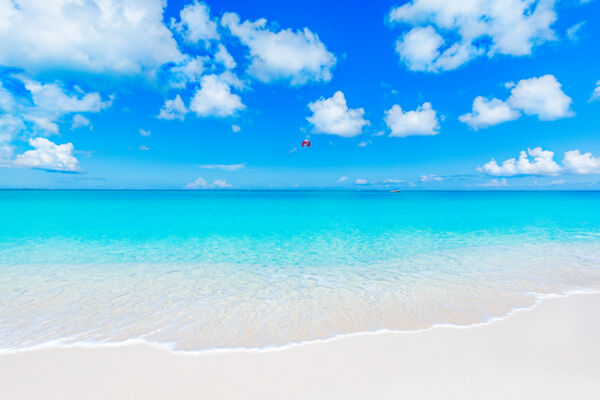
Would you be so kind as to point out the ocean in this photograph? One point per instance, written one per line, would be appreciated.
(205, 270)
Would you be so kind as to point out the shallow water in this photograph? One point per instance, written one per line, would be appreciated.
(202, 270)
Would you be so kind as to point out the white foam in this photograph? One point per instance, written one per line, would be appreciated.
(62, 344)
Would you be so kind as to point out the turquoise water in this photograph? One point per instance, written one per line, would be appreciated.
(203, 270)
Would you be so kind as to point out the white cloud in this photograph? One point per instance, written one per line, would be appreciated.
(224, 58)
(145, 133)
(37, 111)
(143, 147)
(173, 109)
(420, 122)
(342, 179)
(52, 99)
(224, 167)
(8, 102)
(39, 108)
(235, 128)
(573, 31)
(86, 35)
(363, 144)
(419, 48)
(431, 178)
(214, 98)
(495, 183)
(47, 155)
(10, 125)
(200, 183)
(332, 116)
(232, 80)
(189, 70)
(596, 92)
(197, 184)
(476, 27)
(298, 57)
(540, 96)
(543, 164)
(79, 121)
(195, 24)
(489, 112)
(221, 184)
(579, 163)
(361, 182)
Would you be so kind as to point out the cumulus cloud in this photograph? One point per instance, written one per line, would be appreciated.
(420, 122)
(79, 121)
(332, 116)
(197, 184)
(286, 55)
(49, 102)
(38, 108)
(145, 133)
(542, 164)
(361, 182)
(200, 183)
(221, 184)
(48, 155)
(8, 102)
(52, 99)
(173, 109)
(214, 98)
(542, 96)
(195, 23)
(143, 147)
(189, 70)
(579, 163)
(10, 126)
(86, 35)
(474, 28)
(235, 128)
(224, 58)
(489, 112)
(419, 48)
(224, 167)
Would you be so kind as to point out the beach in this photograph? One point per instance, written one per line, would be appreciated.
(550, 351)
(279, 200)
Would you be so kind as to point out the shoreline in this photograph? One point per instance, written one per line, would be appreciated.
(538, 298)
(549, 350)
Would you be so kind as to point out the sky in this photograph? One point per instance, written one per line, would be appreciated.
(420, 94)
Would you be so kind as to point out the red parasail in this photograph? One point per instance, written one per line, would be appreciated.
(306, 143)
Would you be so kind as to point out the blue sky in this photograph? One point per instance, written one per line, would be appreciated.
(483, 94)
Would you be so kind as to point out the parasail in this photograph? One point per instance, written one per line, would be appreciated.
(306, 143)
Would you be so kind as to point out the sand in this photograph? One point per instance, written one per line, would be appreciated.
(551, 351)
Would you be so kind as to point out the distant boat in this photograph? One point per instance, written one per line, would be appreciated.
(394, 191)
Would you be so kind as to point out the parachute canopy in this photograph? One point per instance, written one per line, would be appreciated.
(306, 143)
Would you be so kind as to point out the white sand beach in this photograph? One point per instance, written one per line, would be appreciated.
(549, 352)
